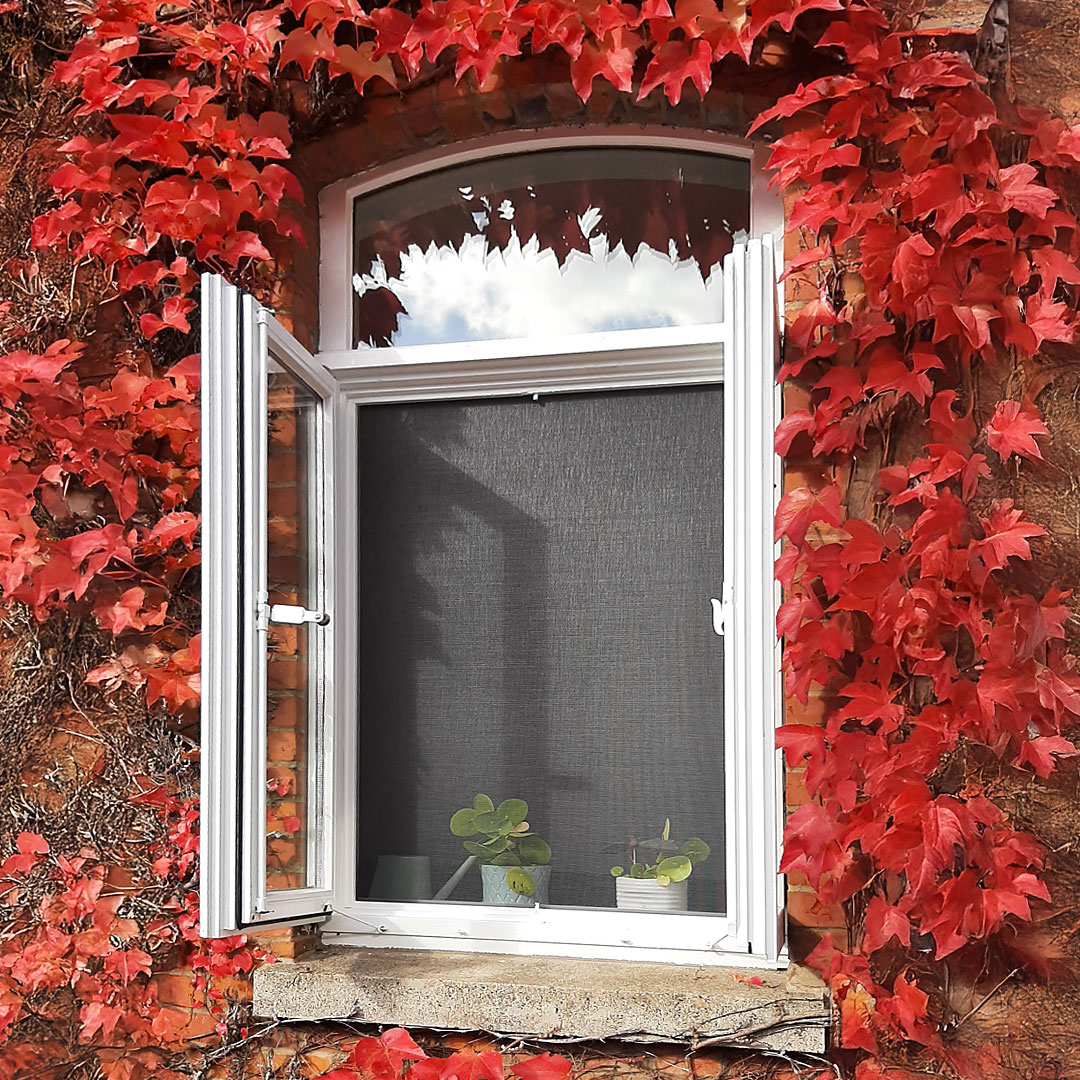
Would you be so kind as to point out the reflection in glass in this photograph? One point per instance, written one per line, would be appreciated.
(292, 575)
(536, 629)
(550, 242)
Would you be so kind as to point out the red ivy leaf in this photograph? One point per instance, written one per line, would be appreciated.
(542, 1067)
(799, 509)
(464, 1065)
(385, 1056)
(792, 425)
(97, 1016)
(1042, 753)
(674, 64)
(883, 922)
(125, 964)
(1012, 430)
(30, 843)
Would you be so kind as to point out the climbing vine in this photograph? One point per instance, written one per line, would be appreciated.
(934, 240)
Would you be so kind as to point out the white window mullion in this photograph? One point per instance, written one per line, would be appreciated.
(221, 606)
(738, 854)
(750, 659)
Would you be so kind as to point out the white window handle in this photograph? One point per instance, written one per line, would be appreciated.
(721, 611)
(291, 615)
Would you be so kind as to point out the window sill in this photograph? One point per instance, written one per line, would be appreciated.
(551, 997)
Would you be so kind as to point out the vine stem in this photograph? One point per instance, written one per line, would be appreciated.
(968, 1015)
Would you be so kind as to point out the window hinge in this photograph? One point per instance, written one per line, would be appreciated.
(722, 610)
(290, 615)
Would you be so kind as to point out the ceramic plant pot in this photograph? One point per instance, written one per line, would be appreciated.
(646, 894)
(401, 877)
(497, 891)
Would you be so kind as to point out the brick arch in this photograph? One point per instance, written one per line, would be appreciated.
(526, 94)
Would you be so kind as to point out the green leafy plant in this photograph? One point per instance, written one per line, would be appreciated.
(507, 840)
(674, 861)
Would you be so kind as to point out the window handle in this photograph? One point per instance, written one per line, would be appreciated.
(721, 611)
(290, 615)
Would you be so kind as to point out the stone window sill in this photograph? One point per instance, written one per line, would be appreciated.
(551, 998)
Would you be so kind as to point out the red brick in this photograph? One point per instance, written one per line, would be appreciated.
(195, 1023)
(282, 537)
(283, 430)
(286, 943)
(320, 1062)
(495, 105)
(322, 161)
(795, 793)
(813, 712)
(281, 745)
(287, 808)
(563, 101)
(536, 70)
(284, 640)
(462, 118)
(802, 287)
(283, 589)
(423, 121)
(796, 397)
(288, 712)
(176, 988)
(796, 878)
(280, 852)
(802, 940)
(389, 139)
(805, 909)
(357, 147)
(281, 774)
(283, 501)
(814, 475)
(282, 466)
(602, 100)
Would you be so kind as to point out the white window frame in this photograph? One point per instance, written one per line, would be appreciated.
(738, 353)
(238, 335)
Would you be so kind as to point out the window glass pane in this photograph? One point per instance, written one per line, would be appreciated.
(292, 573)
(536, 624)
(551, 242)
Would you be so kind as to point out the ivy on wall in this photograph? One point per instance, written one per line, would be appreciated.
(931, 253)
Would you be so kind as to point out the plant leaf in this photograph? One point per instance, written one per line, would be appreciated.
(521, 881)
(463, 823)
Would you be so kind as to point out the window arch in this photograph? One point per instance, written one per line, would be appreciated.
(714, 184)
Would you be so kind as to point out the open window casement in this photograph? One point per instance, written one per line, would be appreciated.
(265, 831)
(268, 791)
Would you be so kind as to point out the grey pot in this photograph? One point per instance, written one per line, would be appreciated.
(496, 890)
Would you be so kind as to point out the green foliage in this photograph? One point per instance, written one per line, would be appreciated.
(674, 861)
(507, 840)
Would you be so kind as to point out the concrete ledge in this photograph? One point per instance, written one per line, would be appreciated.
(550, 997)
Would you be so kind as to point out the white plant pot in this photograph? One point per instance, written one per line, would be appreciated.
(496, 890)
(646, 894)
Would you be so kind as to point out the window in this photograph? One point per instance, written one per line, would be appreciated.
(477, 555)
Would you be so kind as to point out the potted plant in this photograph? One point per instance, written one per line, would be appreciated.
(659, 885)
(514, 861)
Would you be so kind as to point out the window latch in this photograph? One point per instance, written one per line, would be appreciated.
(290, 615)
(721, 611)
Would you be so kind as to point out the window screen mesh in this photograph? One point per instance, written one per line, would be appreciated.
(535, 584)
